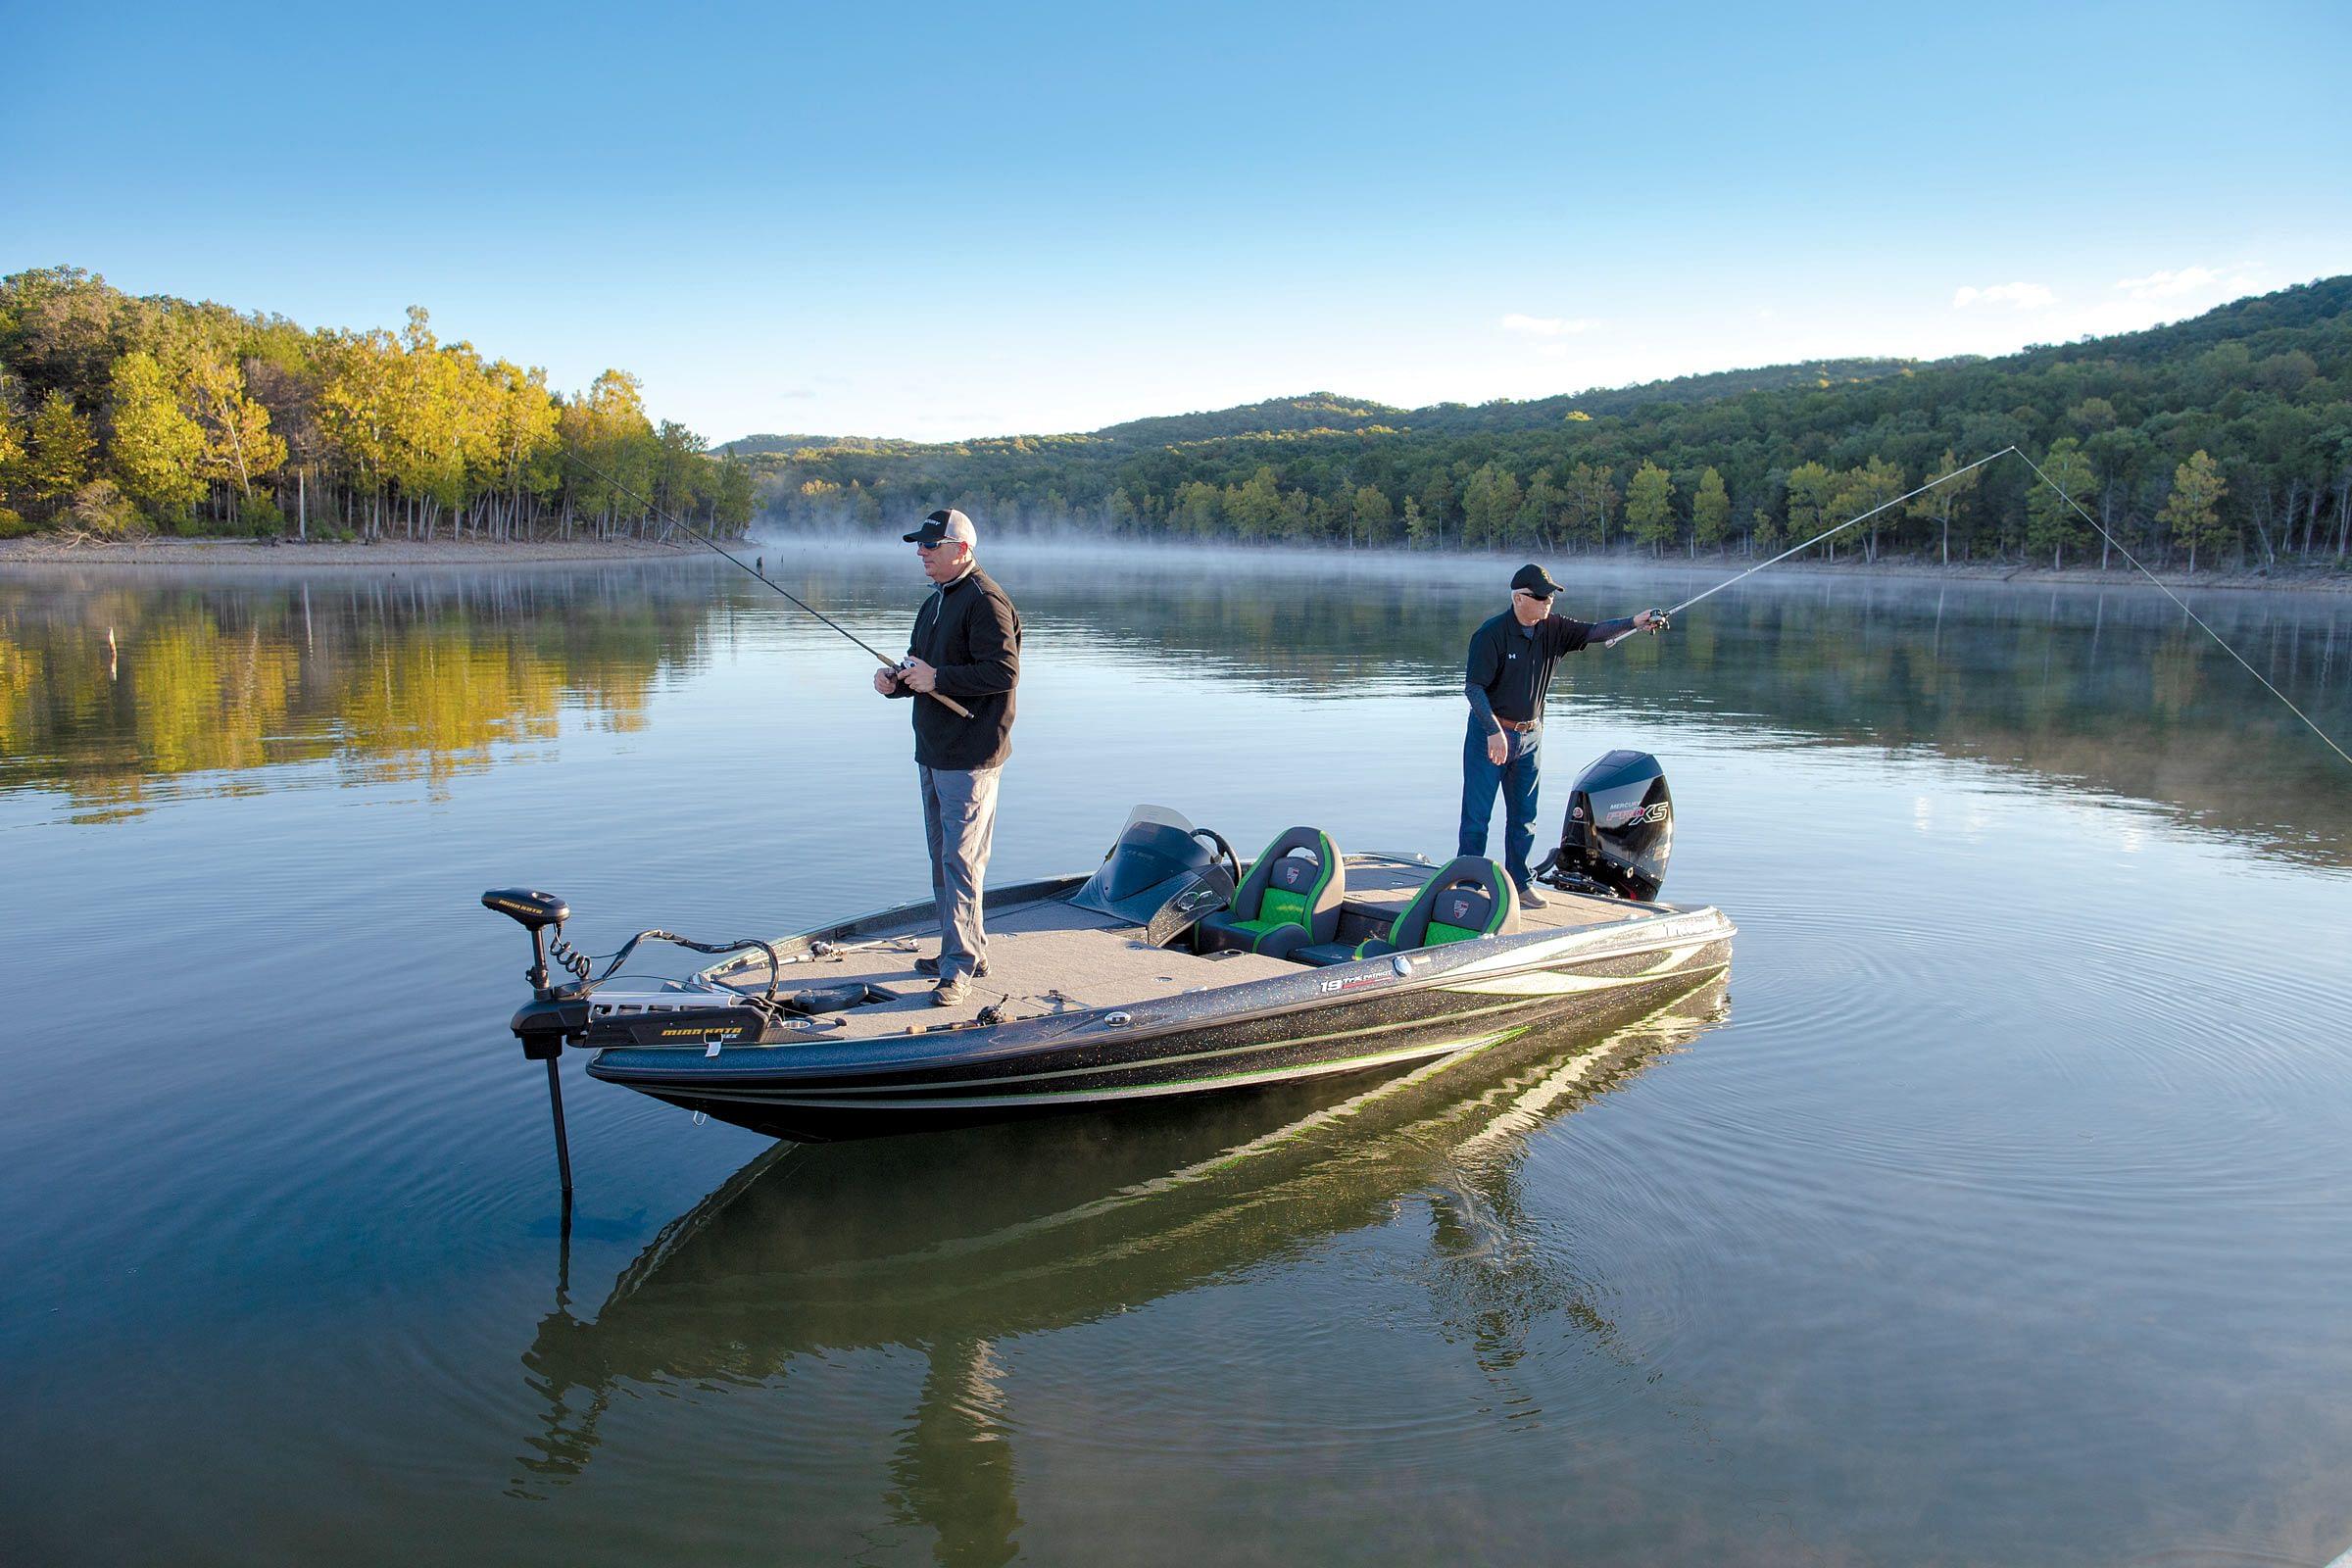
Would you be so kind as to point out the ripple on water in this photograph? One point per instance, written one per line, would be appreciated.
(1858, 1041)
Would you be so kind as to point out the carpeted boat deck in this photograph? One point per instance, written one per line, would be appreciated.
(1050, 956)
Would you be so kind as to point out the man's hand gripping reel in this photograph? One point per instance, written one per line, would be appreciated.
(1658, 623)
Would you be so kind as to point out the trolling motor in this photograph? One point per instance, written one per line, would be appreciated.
(1618, 831)
(542, 1025)
(559, 1013)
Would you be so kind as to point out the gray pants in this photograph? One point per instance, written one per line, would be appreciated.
(959, 817)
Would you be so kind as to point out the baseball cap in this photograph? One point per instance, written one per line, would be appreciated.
(944, 524)
(1535, 580)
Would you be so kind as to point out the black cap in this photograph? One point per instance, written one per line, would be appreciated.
(1535, 580)
(945, 523)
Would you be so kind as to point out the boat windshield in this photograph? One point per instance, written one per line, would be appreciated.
(1155, 850)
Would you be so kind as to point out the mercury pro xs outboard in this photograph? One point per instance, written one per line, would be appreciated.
(1618, 831)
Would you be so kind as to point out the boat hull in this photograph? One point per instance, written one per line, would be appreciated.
(1373, 1016)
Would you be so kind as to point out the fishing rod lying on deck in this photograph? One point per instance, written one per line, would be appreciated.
(2325, 739)
(888, 662)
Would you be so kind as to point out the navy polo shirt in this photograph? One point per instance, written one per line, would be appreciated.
(1510, 666)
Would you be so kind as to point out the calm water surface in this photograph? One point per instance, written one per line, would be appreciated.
(1993, 1212)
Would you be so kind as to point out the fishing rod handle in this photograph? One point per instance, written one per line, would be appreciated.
(941, 698)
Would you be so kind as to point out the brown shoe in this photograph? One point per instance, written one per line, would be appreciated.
(931, 966)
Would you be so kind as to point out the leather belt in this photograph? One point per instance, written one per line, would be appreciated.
(1521, 725)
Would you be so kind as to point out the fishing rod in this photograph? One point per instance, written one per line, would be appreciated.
(2100, 528)
(892, 664)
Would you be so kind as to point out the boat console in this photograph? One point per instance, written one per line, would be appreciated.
(1162, 873)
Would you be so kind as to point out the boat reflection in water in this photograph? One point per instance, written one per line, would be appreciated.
(948, 1243)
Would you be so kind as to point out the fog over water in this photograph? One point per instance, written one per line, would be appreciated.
(1992, 1211)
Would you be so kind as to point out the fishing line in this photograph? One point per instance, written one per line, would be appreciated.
(2325, 739)
(1944, 479)
(888, 662)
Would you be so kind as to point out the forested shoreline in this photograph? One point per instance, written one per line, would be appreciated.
(2220, 442)
(123, 417)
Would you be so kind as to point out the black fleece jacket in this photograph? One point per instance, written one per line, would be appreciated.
(967, 631)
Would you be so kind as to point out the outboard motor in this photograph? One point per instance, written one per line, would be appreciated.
(1619, 828)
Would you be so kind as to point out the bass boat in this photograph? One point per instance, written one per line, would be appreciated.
(1171, 971)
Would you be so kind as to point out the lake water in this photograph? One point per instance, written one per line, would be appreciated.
(1994, 1211)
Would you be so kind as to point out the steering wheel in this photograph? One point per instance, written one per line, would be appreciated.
(1217, 843)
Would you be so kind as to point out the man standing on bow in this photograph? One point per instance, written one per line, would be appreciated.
(1511, 660)
(966, 646)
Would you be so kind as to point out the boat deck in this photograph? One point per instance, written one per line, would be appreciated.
(1052, 957)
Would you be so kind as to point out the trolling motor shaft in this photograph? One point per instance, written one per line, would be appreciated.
(542, 1023)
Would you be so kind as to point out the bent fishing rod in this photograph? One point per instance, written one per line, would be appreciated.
(893, 665)
(2325, 739)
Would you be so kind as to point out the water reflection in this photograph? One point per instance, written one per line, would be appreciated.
(119, 691)
(952, 1244)
(114, 689)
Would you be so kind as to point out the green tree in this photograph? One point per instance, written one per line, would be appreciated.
(12, 457)
(681, 473)
(1944, 500)
(1865, 493)
(2191, 516)
(1812, 488)
(240, 445)
(1593, 501)
(1254, 508)
(1198, 510)
(157, 451)
(1437, 502)
(2119, 457)
(1371, 516)
(2051, 521)
(1120, 511)
(1650, 506)
(1490, 505)
(57, 452)
(1541, 510)
(1710, 511)
(732, 501)
(1417, 528)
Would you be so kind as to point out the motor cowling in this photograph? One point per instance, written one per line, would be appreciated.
(1620, 826)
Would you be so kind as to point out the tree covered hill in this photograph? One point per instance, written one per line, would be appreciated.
(123, 415)
(2226, 437)
(751, 446)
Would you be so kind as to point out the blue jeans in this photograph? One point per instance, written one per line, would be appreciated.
(1516, 779)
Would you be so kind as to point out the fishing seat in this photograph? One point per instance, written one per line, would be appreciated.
(1290, 900)
(1469, 899)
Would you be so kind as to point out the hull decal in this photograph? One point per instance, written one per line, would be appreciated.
(1181, 1086)
(1546, 983)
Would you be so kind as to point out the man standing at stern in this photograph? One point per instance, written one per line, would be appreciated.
(1511, 660)
(966, 646)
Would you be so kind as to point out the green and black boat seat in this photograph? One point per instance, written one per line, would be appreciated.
(1469, 899)
(1290, 900)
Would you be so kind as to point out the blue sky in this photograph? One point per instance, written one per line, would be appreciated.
(938, 221)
